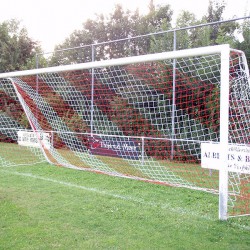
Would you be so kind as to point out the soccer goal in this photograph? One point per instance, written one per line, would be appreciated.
(178, 118)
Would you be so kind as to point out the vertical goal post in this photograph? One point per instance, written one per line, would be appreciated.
(115, 118)
(224, 114)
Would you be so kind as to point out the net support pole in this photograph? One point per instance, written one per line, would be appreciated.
(37, 81)
(224, 119)
(173, 100)
(92, 91)
(142, 151)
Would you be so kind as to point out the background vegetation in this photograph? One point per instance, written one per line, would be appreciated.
(18, 50)
(123, 23)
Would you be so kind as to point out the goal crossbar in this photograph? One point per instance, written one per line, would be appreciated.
(122, 61)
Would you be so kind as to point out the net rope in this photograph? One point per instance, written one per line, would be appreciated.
(142, 120)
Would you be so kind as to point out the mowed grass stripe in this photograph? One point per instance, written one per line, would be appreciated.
(47, 207)
(177, 210)
(169, 206)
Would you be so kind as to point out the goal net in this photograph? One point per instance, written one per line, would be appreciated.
(177, 118)
(13, 125)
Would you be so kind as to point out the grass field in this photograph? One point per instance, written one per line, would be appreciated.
(47, 207)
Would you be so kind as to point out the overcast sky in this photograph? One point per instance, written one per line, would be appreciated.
(51, 21)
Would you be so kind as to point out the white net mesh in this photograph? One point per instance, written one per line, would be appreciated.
(12, 119)
(140, 120)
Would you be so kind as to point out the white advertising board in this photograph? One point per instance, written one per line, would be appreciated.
(33, 139)
(238, 157)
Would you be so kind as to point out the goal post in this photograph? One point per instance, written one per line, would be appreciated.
(173, 118)
(224, 121)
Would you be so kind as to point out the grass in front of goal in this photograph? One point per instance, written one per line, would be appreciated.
(192, 173)
(47, 207)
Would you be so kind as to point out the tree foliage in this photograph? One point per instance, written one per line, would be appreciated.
(117, 35)
(215, 11)
(117, 25)
(245, 43)
(113, 35)
(17, 49)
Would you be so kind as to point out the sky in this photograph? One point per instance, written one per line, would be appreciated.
(51, 21)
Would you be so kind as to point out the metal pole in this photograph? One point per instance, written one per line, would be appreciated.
(173, 101)
(37, 84)
(142, 151)
(52, 139)
(224, 117)
(92, 90)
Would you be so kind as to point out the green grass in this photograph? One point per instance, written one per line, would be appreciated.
(22, 154)
(47, 207)
(187, 172)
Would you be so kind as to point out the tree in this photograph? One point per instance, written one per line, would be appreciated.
(17, 49)
(206, 35)
(215, 11)
(117, 25)
(202, 36)
(185, 38)
(115, 30)
(245, 43)
(226, 33)
(102, 29)
(159, 19)
(111, 36)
